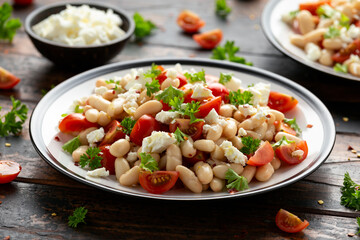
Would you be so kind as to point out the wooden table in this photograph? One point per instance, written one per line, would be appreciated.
(29, 202)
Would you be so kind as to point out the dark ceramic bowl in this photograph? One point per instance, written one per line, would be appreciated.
(77, 56)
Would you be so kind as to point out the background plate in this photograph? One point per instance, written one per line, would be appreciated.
(279, 32)
(310, 110)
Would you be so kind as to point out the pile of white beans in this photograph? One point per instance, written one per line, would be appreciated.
(234, 124)
(312, 30)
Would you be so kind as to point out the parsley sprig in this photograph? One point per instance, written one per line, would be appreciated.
(196, 77)
(71, 145)
(180, 136)
(127, 125)
(8, 26)
(78, 216)
(340, 68)
(91, 158)
(153, 72)
(143, 27)
(225, 78)
(282, 141)
(235, 181)
(227, 52)
(222, 9)
(238, 98)
(250, 145)
(332, 32)
(148, 163)
(350, 193)
(169, 93)
(188, 109)
(152, 87)
(293, 124)
(12, 121)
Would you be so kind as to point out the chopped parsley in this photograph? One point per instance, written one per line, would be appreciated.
(344, 21)
(91, 158)
(110, 81)
(152, 87)
(12, 121)
(235, 181)
(222, 9)
(169, 93)
(341, 68)
(293, 124)
(127, 125)
(180, 136)
(250, 145)
(225, 78)
(325, 11)
(196, 77)
(227, 52)
(153, 72)
(143, 27)
(148, 163)
(8, 26)
(78, 216)
(350, 193)
(72, 145)
(77, 109)
(282, 141)
(332, 32)
(237, 98)
(293, 14)
(188, 109)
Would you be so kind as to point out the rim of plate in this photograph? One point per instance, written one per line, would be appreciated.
(36, 120)
(266, 26)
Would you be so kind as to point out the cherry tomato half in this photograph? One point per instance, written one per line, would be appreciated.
(161, 78)
(210, 39)
(284, 152)
(199, 156)
(8, 171)
(313, 6)
(143, 128)
(207, 106)
(262, 156)
(289, 222)
(75, 122)
(114, 132)
(7, 79)
(192, 130)
(189, 21)
(284, 127)
(158, 181)
(281, 102)
(108, 160)
(219, 90)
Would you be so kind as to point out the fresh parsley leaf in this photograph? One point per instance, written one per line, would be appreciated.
(293, 14)
(112, 81)
(237, 98)
(282, 141)
(169, 93)
(341, 68)
(350, 193)
(78, 216)
(250, 145)
(148, 163)
(225, 77)
(325, 11)
(12, 121)
(176, 105)
(8, 26)
(180, 136)
(78, 109)
(153, 72)
(152, 87)
(332, 32)
(344, 21)
(222, 9)
(358, 222)
(143, 27)
(127, 125)
(293, 124)
(227, 52)
(235, 181)
(91, 158)
(251, 85)
(196, 77)
(188, 110)
(72, 145)
(64, 115)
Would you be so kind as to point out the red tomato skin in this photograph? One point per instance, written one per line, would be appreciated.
(284, 127)
(194, 130)
(340, 58)
(281, 102)
(161, 78)
(9, 170)
(313, 6)
(108, 161)
(262, 156)
(143, 128)
(75, 122)
(182, 79)
(211, 79)
(113, 133)
(199, 156)
(210, 39)
(219, 90)
(189, 21)
(7, 79)
(286, 222)
(145, 179)
(23, 2)
(206, 107)
(166, 106)
(284, 152)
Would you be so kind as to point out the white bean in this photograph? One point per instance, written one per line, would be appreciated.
(99, 103)
(150, 107)
(264, 172)
(354, 69)
(170, 82)
(78, 152)
(173, 157)
(104, 119)
(121, 167)
(332, 43)
(306, 22)
(276, 163)
(130, 177)
(298, 40)
(217, 184)
(220, 170)
(189, 179)
(230, 129)
(187, 148)
(226, 110)
(162, 162)
(92, 115)
(249, 172)
(120, 148)
(203, 172)
(214, 133)
(218, 154)
(204, 145)
(116, 107)
(288, 136)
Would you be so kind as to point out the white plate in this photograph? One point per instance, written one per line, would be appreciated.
(279, 32)
(310, 110)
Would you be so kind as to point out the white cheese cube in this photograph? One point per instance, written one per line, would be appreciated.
(232, 153)
(212, 117)
(99, 172)
(95, 136)
(200, 92)
(261, 92)
(157, 142)
(166, 116)
(234, 84)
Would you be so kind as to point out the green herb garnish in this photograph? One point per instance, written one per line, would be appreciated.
(127, 125)
(250, 145)
(282, 141)
(332, 32)
(169, 93)
(222, 9)
(12, 121)
(153, 72)
(293, 124)
(293, 14)
(78, 216)
(325, 11)
(350, 193)
(235, 181)
(8, 26)
(148, 163)
(196, 77)
(91, 158)
(237, 98)
(152, 87)
(344, 21)
(143, 27)
(72, 145)
(341, 68)
(225, 78)
(180, 136)
(227, 52)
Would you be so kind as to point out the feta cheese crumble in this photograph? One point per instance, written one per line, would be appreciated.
(99, 172)
(166, 116)
(261, 92)
(212, 117)
(232, 153)
(157, 142)
(200, 92)
(234, 84)
(313, 51)
(95, 136)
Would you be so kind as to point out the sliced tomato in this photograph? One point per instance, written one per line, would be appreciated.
(340, 58)
(285, 152)
(207, 105)
(193, 130)
(219, 90)
(75, 122)
(262, 156)
(187, 96)
(189, 21)
(158, 181)
(8, 171)
(161, 77)
(284, 127)
(344, 54)
(289, 222)
(108, 160)
(166, 106)
(210, 39)
(199, 156)
(114, 132)
(313, 6)
(182, 79)
(143, 128)
(281, 102)
(7, 79)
